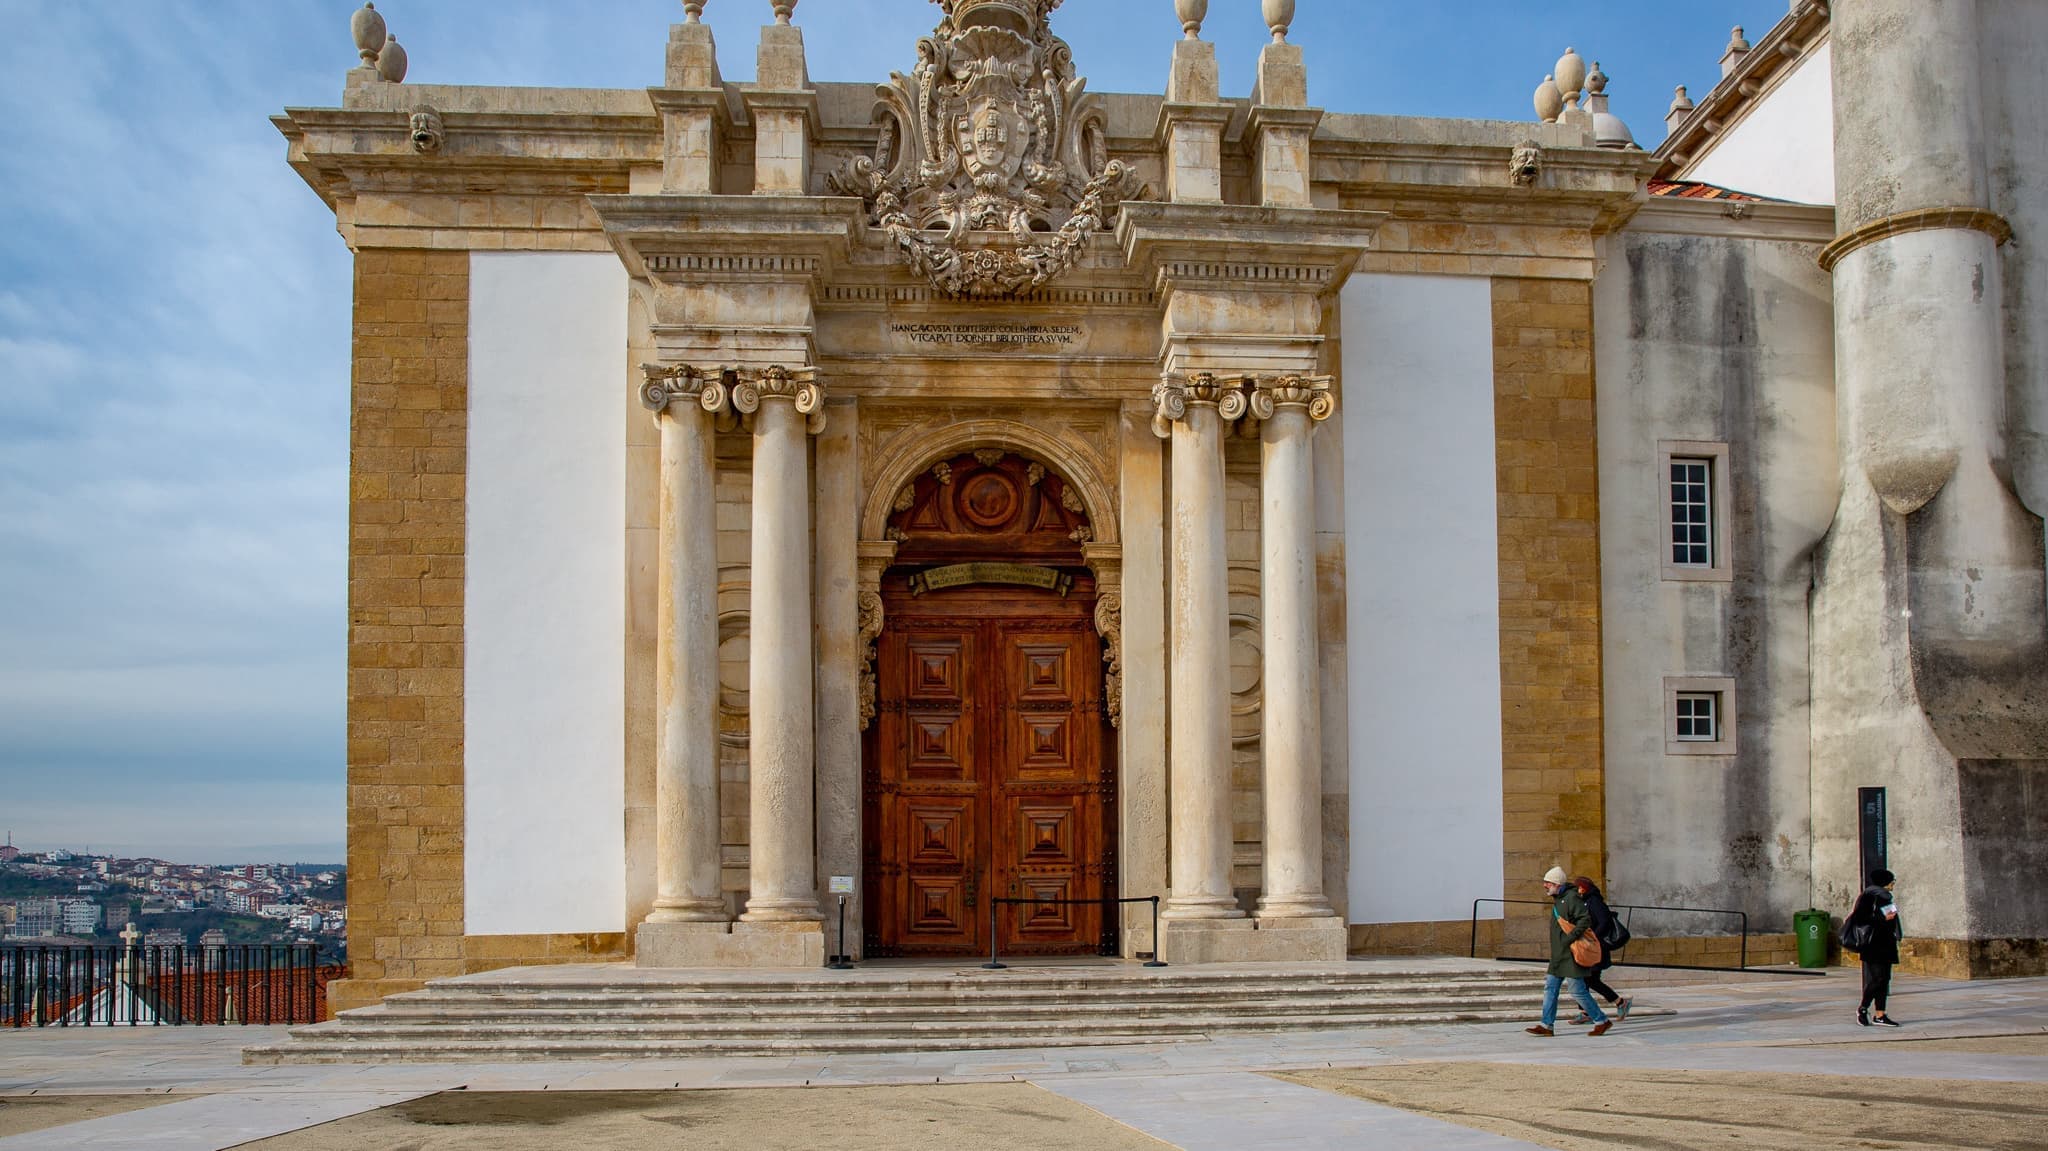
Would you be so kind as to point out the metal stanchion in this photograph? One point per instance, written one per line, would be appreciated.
(841, 961)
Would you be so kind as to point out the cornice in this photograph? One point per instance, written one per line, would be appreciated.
(1736, 219)
(1252, 249)
(698, 237)
(1797, 36)
(344, 152)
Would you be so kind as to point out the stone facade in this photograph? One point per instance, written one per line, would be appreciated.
(1152, 306)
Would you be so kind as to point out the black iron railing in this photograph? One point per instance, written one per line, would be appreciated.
(995, 964)
(163, 986)
(1626, 909)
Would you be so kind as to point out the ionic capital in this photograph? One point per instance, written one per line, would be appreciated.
(1271, 393)
(673, 384)
(1174, 396)
(753, 387)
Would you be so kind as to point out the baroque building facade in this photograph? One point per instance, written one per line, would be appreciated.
(963, 503)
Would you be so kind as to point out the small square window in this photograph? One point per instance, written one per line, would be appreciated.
(1694, 489)
(1699, 715)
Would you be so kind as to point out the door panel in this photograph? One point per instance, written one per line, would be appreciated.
(985, 776)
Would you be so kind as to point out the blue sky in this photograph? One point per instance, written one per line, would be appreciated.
(174, 309)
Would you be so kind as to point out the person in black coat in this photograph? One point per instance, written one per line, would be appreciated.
(1605, 926)
(1879, 912)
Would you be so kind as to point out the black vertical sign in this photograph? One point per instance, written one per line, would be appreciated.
(1870, 832)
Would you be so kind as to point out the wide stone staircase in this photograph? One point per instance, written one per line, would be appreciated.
(620, 1012)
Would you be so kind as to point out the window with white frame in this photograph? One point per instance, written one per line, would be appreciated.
(1693, 486)
(1692, 511)
(1699, 715)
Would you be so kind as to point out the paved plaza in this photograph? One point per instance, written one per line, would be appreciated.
(1971, 1070)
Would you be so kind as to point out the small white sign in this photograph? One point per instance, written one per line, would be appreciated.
(842, 885)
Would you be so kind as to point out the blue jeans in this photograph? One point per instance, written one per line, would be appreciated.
(1579, 992)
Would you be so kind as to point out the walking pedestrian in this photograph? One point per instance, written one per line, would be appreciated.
(1612, 935)
(1569, 920)
(1872, 930)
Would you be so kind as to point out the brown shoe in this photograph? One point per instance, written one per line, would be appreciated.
(1600, 1028)
(1540, 1030)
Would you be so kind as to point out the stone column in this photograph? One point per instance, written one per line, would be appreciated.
(1286, 407)
(1197, 411)
(780, 747)
(686, 727)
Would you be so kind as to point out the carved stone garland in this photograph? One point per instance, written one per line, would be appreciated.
(992, 169)
(1109, 622)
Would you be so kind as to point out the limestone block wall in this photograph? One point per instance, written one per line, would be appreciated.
(1553, 783)
(407, 434)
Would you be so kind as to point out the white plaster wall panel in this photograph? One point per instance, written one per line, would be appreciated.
(1423, 597)
(544, 605)
(1784, 147)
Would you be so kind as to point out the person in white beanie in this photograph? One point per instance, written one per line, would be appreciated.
(1569, 919)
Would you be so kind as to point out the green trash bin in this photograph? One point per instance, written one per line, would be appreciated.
(1811, 927)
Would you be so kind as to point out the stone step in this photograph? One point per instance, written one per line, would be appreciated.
(616, 1012)
(641, 1023)
(315, 1045)
(828, 1012)
(434, 1001)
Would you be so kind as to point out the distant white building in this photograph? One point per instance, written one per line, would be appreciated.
(79, 916)
(34, 919)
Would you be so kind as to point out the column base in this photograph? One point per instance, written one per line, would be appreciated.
(1218, 908)
(1189, 941)
(729, 945)
(693, 911)
(1305, 907)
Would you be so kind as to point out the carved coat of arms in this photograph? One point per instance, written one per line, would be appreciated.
(992, 169)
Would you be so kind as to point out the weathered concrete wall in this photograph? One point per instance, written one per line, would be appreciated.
(1722, 338)
(1931, 613)
(1782, 148)
(2015, 41)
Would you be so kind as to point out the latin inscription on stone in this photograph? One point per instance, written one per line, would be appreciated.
(994, 336)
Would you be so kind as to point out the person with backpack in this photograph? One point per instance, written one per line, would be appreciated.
(1613, 935)
(1872, 931)
(1569, 924)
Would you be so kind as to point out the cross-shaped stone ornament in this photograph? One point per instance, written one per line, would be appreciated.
(131, 935)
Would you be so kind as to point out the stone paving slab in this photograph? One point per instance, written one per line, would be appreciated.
(1799, 1026)
(1235, 1110)
(214, 1123)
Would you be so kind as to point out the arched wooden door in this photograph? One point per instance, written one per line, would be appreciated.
(988, 771)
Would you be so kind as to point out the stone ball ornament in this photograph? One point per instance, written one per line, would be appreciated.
(693, 11)
(1279, 16)
(1570, 73)
(391, 61)
(784, 10)
(1191, 13)
(1549, 101)
(367, 26)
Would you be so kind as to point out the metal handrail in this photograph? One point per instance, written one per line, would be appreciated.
(995, 964)
(1743, 964)
(66, 985)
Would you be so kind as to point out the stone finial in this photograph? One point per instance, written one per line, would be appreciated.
(1191, 13)
(784, 9)
(391, 61)
(1571, 75)
(1681, 107)
(367, 26)
(693, 11)
(1596, 81)
(1549, 101)
(1731, 58)
(1279, 16)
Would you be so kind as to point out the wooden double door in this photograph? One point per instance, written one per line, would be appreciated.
(987, 775)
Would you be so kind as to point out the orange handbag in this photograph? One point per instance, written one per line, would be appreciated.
(1585, 948)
